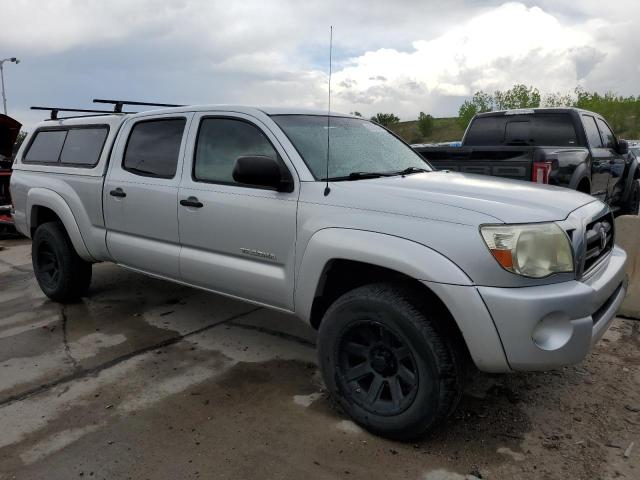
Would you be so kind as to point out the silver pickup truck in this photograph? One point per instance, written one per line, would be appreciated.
(406, 272)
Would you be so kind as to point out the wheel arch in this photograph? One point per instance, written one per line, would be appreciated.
(581, 177)
(349, 257)
(366, 257)
(632, 174)
(45, 205)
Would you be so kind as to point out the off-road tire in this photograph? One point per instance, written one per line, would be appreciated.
(62, 275)
(632, 205)
(402, 312)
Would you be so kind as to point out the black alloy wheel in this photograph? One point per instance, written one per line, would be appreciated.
(377, 366)
(48, 265)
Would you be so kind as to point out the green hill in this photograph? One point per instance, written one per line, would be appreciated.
(444, 130)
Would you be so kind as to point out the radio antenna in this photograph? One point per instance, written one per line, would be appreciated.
(326, 188)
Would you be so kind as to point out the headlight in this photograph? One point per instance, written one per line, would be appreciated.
(536, 250)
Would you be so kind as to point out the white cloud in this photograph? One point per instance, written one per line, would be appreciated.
(400, 57)
(494, 50)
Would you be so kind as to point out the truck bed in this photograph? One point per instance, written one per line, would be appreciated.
(509, 162)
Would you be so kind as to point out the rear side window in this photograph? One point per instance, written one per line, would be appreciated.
(83, 146)
(540, 129)
(220, 142)
(73, 146)
(153, 148)
(593, 135)
(46, 147)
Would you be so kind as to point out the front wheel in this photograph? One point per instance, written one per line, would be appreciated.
(387, 361)
(62, 275)
(632, 205)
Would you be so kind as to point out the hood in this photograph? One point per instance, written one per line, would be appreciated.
(9, 130)
(462, 198)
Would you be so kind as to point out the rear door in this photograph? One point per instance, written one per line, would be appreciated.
(601, 156)
(140, 194)
(236, 239)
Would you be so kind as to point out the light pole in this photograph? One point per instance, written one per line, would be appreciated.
(4, 97)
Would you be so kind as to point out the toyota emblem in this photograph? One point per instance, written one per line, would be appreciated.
(603, 238)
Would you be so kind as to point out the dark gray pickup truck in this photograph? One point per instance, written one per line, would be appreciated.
(567, 147)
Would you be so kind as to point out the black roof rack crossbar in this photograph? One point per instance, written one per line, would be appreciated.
(55, 110)
(118, 104)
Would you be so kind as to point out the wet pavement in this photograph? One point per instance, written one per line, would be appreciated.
(147, 379)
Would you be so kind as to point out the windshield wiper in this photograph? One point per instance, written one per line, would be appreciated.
(365, 175)
(410, 170)
(361, 176)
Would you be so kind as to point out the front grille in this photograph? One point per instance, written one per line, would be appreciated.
(598, 240)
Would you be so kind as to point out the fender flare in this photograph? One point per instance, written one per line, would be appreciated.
(43, 197)
(633, 168)
(405, 256)
(581, 172)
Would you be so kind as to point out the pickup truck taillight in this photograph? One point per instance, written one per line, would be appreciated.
(540, 172)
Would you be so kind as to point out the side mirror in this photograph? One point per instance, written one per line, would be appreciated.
(262, 171)
(623, 147)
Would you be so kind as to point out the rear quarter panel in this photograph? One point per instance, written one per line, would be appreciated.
(59, 187)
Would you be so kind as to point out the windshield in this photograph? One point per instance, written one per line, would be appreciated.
(635, 151)
(356, 146)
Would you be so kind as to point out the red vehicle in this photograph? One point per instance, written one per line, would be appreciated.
(9, 130)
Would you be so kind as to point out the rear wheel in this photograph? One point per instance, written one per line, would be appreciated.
(387, 362)
(62, 275)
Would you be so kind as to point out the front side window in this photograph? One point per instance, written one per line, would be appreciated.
(220, 142)
(593, 135)
(356, 146)
(153, 147)
(46, 146)
(608, 138)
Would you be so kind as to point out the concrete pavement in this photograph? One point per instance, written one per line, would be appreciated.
(147, 379)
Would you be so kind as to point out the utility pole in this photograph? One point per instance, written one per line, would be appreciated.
(4, 96)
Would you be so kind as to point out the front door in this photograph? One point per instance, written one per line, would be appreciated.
(616, 161)
(140, 195)
(236, 239)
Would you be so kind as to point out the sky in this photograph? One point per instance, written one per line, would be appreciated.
(388, 56)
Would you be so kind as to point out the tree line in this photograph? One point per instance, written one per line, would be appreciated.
(623, 113)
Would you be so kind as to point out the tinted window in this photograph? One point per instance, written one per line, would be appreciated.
(608, 139)
(540, 129)
(83, 146)
(46, 146)
(593, 135)
(554, 130)
(153, 147)
(486, 131)
(518, 133)
(221, 142)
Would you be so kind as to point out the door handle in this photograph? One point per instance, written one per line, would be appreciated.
(191, 202)
(118, 192)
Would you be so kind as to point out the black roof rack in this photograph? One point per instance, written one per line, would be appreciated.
(118, 104)
(55, 110)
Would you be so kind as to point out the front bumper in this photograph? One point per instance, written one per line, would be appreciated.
(549, 326)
